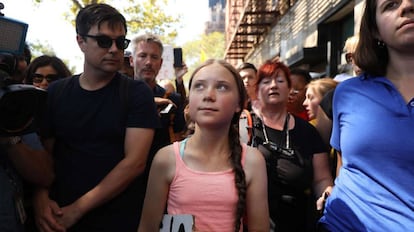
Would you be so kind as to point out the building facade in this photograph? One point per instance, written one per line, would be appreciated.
(302, 33)
(217, 17)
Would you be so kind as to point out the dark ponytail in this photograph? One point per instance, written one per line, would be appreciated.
(239, 175)
(236, 150)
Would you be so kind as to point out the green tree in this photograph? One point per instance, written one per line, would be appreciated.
(39, 48)
(204, 47)
(141, 16)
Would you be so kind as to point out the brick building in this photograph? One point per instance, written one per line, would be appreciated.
(306, 33)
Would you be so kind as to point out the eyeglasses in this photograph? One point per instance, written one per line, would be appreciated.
(38, 78)
(105, 41)
(295, 91)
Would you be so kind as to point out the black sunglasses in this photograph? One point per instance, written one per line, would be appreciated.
(105, 41)
(38, 78)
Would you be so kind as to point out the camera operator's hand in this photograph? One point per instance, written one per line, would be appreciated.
(47, 212)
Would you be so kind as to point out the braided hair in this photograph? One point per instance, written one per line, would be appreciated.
(234, 141)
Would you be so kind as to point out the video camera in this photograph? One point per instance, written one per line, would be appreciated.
(20, 104)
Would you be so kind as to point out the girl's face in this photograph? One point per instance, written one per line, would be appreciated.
(311, 102)
(43, 76)
(274, 89)
(213, 96)
(395, 21)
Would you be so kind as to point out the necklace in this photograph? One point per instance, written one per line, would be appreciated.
(285, 130)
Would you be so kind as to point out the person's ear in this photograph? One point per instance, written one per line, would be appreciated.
(376, 35)
(81, 42)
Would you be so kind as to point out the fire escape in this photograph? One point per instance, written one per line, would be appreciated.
(247, 22)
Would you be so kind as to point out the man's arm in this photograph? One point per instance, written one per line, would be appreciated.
(161, 174)
(35, 166)
(179, 82)
(137, 145)
(46, 210)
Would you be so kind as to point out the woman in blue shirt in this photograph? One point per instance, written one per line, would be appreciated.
(373, 125)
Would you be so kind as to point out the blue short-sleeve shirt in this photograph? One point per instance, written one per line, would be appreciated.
(373, 127)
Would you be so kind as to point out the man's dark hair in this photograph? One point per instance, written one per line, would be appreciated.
(96, 14)
(303, 73)
(247, 66)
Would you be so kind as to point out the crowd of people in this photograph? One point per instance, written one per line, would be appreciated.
(115, 149)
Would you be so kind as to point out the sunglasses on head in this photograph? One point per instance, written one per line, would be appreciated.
(105, 41)
(38, 78)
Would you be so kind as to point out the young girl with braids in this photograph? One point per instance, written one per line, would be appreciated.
(210, 175)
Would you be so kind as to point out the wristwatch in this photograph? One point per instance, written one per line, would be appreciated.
(10, 141)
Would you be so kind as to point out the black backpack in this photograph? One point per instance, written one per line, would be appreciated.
(285, 165)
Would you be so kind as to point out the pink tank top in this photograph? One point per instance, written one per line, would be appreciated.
(211, 197)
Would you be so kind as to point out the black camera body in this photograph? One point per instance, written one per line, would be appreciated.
(20, 105)
(271, 146)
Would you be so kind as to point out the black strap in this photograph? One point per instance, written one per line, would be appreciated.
(124, 85)
(259, 131)
(285, 132)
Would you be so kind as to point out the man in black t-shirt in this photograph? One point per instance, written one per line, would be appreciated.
(99, 126)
